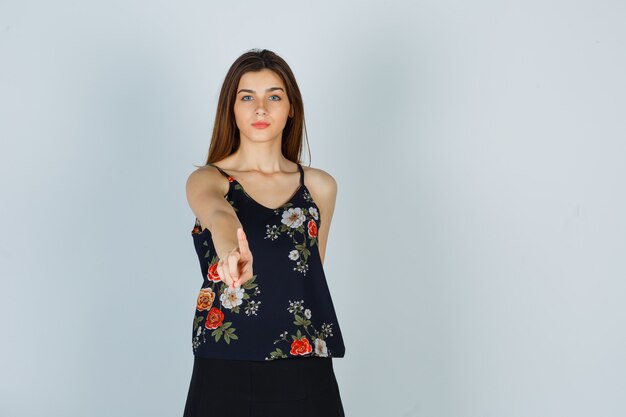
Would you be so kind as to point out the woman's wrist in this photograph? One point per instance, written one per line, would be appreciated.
(225, 254)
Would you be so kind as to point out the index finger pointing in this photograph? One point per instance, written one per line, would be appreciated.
(243, 241)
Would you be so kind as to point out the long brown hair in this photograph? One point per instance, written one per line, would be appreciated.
(225, 139)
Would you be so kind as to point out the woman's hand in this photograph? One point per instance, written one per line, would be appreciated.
(236, 267)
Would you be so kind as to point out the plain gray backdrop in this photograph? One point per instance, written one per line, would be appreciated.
(477, 255)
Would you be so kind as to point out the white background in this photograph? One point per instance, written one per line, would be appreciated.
(477, 253)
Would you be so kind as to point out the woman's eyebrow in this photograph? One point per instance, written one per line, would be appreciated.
(247, 90)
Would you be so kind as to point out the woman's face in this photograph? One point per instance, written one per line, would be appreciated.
(261, 97)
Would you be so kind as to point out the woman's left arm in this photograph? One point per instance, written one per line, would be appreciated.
(323, 189)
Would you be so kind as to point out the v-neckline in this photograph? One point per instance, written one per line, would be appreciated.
(291, 198)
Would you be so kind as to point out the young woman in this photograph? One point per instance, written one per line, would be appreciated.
(265, 329)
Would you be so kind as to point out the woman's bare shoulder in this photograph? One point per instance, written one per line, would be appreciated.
(206, 179)
(319, 180)
(322, 186)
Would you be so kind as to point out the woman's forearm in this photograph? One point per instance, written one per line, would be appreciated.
(223, 228)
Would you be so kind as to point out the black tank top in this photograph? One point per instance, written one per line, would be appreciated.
(286, 309)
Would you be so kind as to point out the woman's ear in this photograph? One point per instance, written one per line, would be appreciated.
(291, 111)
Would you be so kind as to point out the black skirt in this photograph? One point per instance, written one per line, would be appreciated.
(300, 386)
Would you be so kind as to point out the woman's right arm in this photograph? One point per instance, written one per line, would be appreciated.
(205, 189)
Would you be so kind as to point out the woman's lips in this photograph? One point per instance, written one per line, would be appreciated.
(260, 125)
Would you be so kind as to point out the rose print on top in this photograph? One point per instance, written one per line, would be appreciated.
(214, 318)
(300, 224)
(230, 301)
(301, 345)
(221, 329)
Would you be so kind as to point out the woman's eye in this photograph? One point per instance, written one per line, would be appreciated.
(243, 98)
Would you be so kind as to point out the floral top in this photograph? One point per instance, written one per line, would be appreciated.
(286, 309)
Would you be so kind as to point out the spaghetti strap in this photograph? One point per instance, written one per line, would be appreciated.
(220, 170)
(301, 173)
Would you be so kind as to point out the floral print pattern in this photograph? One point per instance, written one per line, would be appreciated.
(210, 317)
(300, 344)
(295, 220)
(299, 224)
(220, 328)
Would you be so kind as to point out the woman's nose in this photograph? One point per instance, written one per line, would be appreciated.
(260, 110)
